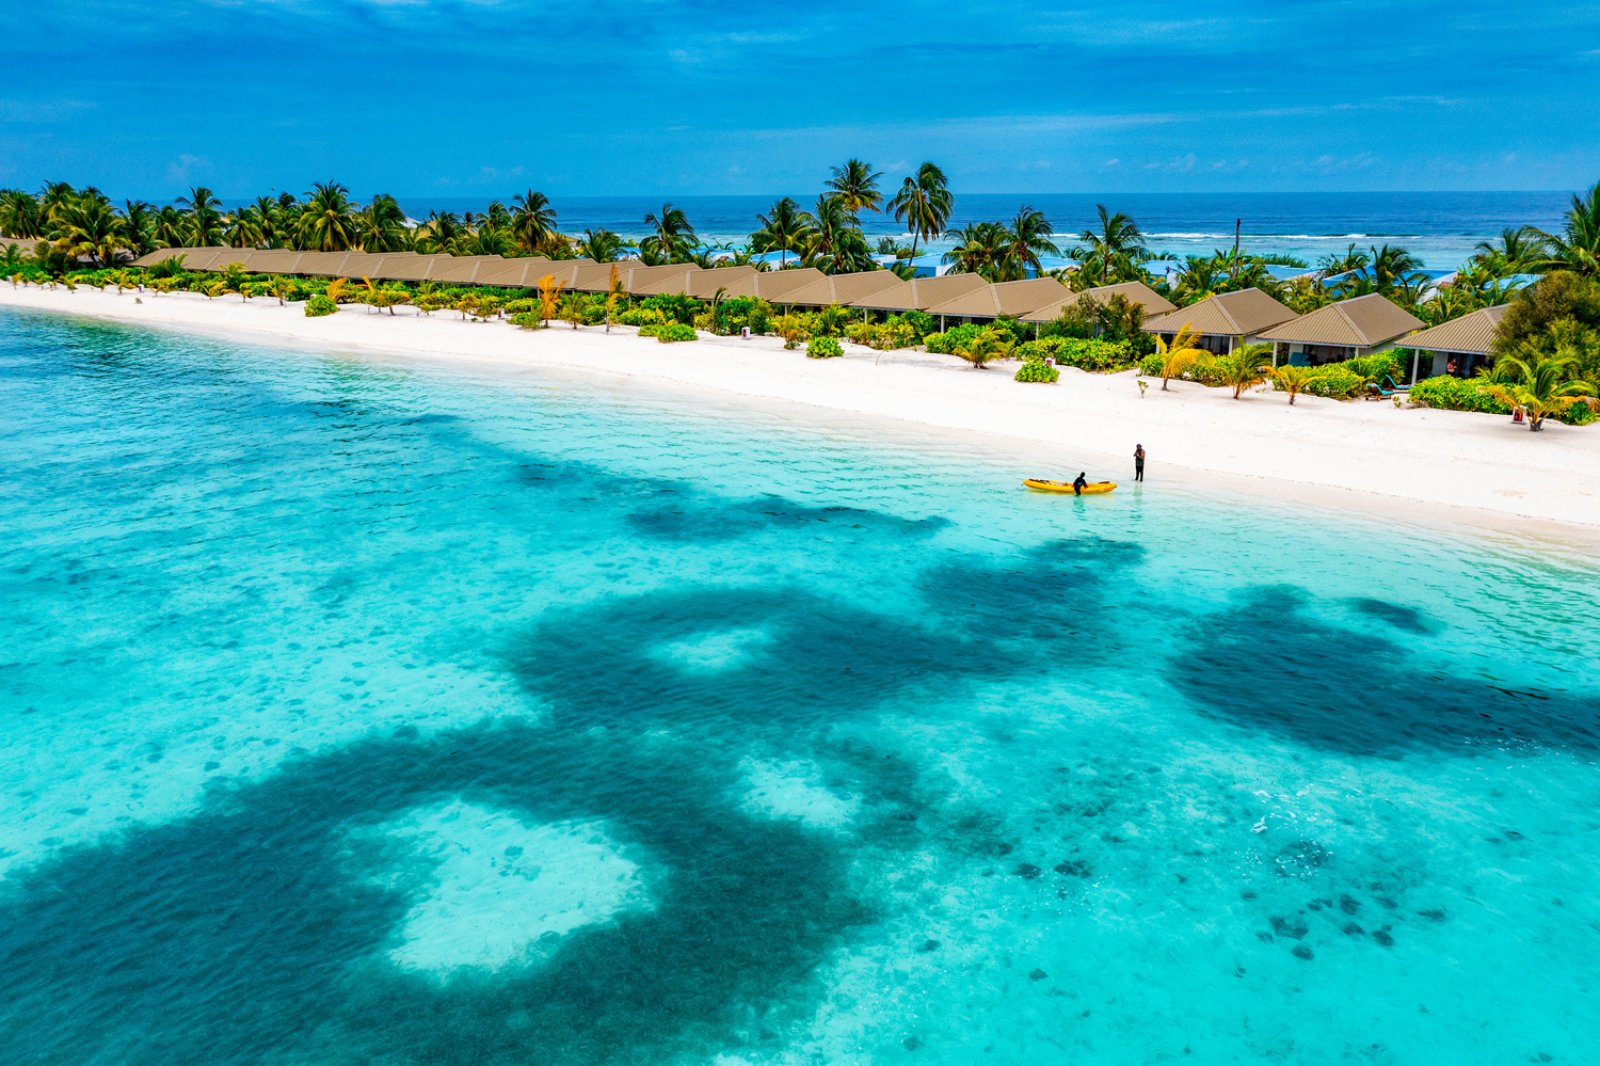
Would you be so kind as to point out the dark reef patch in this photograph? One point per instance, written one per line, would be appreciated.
(698, 518)
(1268, 663)
(225, 936)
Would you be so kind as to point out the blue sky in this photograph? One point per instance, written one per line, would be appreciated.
(473, 97)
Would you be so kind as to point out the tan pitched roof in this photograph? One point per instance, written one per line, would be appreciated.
(190, 256)
(461, 269)
(193, 258)
(703, 284)
(668, 278)
(323, 264)
(919, 294)
(1244, 313)
(1009, 298)
(843, 289)
(1359, 323)
(773, 285)
(360, 265)
(1470, 334)
(1135, 292)
(510, 273)
(410, 268)
(273, 261)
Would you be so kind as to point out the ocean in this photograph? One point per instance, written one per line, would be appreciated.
(369, 711)
(1439, 228)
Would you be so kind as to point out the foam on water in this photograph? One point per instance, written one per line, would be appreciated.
(370, 712)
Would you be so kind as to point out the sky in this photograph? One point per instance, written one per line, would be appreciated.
(675, 97)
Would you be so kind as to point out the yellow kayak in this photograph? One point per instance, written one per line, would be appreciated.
(1093, 488)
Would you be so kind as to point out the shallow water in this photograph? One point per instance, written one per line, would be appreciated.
(365, 712)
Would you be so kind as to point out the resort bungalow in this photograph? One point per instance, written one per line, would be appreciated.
(1008, 299)
(704, 284)
(1460, 345)
(1137, 293)
(1224, 320)
(773, 286)
(1341, 331)
(193, 258)
(844, 289)
(919, 294)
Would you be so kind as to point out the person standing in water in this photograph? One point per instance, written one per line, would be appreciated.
(1078, 483)
(1138, 462)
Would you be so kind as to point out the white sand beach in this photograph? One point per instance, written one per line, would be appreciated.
(1461, 468)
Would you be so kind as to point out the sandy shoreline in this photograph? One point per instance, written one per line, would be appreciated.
(1476, 470)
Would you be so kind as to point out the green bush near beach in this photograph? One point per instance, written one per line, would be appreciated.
(672, 333)
(1037, 371)
(1094, 355)
(320, 305)
(1449, 393)
(823, 348)
(953, 339)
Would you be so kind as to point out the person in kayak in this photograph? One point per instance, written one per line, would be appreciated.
(1078, 483)
(1138, 462)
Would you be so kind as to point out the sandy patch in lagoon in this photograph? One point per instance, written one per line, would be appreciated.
(487, 890)
(1454, 467)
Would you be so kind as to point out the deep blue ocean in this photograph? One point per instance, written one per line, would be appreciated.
(359, 710)
(1440, 228)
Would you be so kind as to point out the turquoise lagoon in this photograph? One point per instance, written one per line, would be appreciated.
(364, 711)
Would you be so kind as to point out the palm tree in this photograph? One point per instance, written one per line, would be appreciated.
(1200, 277)
(1029, 234)
(601, 245)
(783, 228)
(836, 244)
(169, 228)
(1114, 250)
(439, 233)
(89, 226)
(138, 223)
(1518, 251)
(327, 223)
(533, 222)
(1293, 379)
(1392, 265)
(205, 216)
(1541, 391)
(1352, 258)
(1182, 353)
(924, 204)
(980, 249)
(20, 214)
(381, 226)
(856, 184)
(673, 239)
(983, 346)
(244, 228)
(1578, 248)
(1243, 367)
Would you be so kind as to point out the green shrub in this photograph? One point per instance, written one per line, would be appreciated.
(1150, 365)
(320, 305)
(1336, 382)
(674, 308)
(741, 312)
(919, 322)
(884, 336)
(1449, 393)
(527, 320)
(652, 329)
(641, 316)
(1036, 370)
(1374, 367)
(823, 348)
(950, 340)
(673, 332)
(1099, 356)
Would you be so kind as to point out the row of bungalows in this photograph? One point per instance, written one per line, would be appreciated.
(1334, 333)
(1345, 330)
(954, 298)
